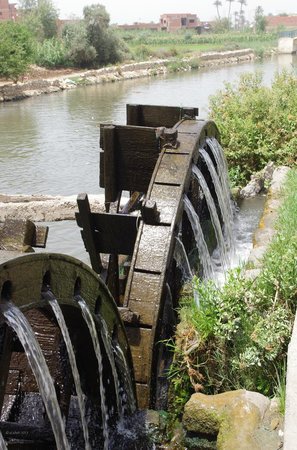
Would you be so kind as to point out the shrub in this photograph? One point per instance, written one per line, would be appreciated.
(15, 50)
(51, 53)
(257, 123)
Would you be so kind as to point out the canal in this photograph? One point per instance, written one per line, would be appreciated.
(49, 144)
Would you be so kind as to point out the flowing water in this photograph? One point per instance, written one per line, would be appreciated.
(204, 256)
(76, 378)
(93, 333)
(2, 442)
(182, 260)
(214, 218)
(227, 218)
(16, 320)
(126, 378)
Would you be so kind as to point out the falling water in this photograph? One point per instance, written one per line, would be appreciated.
(2, 442)
(126, 377)
(110, 353)
(222, 169)
(80, 396)
(200, 241)
(227, 218)
(93, 333)
(181, 257)
(214, 217)
(16, 319)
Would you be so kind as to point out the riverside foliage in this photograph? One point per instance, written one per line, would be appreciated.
(238, 337)
(257, 123)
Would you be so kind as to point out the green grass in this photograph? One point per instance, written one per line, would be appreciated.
(162, 44)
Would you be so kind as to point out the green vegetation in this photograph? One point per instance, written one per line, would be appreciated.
(187, 43)
(15, 49)
(257, 123)
(238, 336)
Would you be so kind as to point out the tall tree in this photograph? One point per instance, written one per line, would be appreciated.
(229, 12)
(260, 20)
(217, 4)
(241, 12)
(40, 16)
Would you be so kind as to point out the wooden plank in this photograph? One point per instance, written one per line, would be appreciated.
(157, 116)
(136, 153)
(143, 395)
(141, 348)
(110, 164)
(146, 305)
(167, 198)
(85, 220)
(112, 233)
(173, 168)
(152, 249)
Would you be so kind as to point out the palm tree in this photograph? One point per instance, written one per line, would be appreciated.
(241, 13)
(229, 13)
(242, 4)
(217, 3)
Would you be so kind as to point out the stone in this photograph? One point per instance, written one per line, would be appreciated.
(235, 417)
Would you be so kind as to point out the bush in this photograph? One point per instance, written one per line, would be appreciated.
(80, 52)
(257, 123)
(15, 50)
(51, 53)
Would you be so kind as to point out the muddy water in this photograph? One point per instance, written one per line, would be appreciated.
(49, 144)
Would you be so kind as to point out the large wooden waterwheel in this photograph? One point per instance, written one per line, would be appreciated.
(152, 158)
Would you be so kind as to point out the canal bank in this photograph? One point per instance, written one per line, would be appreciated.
(10, 91)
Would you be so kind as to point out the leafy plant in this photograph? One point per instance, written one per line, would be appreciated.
(15, 50)
(257, 123)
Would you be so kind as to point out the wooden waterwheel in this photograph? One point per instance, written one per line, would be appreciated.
(151, 158)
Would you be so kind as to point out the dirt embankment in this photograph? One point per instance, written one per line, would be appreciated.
(42, 81)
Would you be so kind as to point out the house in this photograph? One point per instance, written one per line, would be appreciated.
(276, 22)
(175, 22)
(7, 10)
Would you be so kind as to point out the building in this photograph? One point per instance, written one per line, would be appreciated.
(7, 10)
(277, 22)
(168, 22)
(175, 22)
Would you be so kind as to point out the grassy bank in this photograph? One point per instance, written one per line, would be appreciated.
(238, 337)
(144, 44)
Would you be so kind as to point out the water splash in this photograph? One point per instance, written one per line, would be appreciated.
(182, 260)
(16, 320)
(76, 378)
(203, 251)
(126, 377)
(214, 217)
(93, 333)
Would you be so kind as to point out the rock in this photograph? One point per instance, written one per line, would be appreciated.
(253, 188)
(238, 418)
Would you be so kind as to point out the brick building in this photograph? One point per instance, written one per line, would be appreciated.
(175, 22)
(7, 10)
(275, 22)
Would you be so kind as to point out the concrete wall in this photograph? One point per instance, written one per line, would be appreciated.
(287, 45)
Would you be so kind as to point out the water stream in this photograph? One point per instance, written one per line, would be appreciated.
(214, 218)
(204, 256)
(76, 377)
(16, 320)
(182, 260)
(2, 442)
(225, 212)
(93, 333)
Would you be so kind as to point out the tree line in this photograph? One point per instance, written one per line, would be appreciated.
(33, 38)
